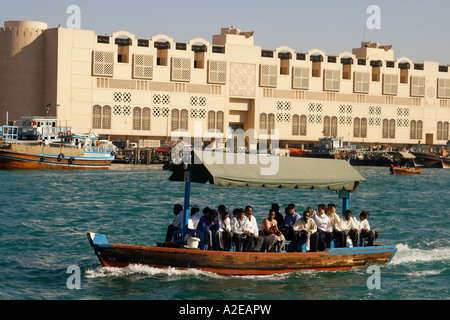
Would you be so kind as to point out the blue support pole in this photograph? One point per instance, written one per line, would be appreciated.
(345, 196)
(187, 195)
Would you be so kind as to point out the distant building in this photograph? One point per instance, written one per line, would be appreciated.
(123, 87)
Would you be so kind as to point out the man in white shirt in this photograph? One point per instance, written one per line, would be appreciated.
(240, 227)
(324, 227)
(305, 230)
(177, 223)
(364, 228)
(338, 233)
(195, 217)
(225, 228)
(348, 225)
(257, 241)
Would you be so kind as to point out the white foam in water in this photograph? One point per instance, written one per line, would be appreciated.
(405, 254)
(137, 269)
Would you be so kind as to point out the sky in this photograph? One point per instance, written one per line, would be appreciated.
(417, 29)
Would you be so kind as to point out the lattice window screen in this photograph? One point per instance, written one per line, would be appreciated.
(332, 80)
(103, 63)
(146, 119)
(143, 66)
(390, 84)
(361, 84)
(418, 86)
(181, 69)
(300, 78)
(444, 88)
(217, 72)
(268, 75)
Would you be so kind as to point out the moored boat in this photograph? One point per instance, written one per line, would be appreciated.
(255, 171)
(72, 152)
(427, 159)
(445, 162)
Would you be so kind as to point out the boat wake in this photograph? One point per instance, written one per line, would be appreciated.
(172, 273)
(145, 271)
(405, 254)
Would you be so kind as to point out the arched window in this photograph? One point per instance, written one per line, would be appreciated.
(303, 123)
(412, 129)
(146, 119)
(220, 120)
(363, 127)
(326, 126)
(392, 129)
(175, 119)
(385, 128)
(295, 125)
(445, 131)
(419, 129)
(97, 117)
(137, 118)
(356, 128)
(439, 130)
(263, 121)
(106, 117)
(184, 118)
(270, 123)
(211, 120)
(334, 123)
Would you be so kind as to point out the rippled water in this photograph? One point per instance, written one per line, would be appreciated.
(45, 216)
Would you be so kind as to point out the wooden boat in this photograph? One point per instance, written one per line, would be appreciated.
(445, 162)
(73, 152)
(224, 169)
(402, 170)
(230, 263)
(294, 152)
(426, 159)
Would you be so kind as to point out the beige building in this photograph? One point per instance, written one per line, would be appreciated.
(123, 87)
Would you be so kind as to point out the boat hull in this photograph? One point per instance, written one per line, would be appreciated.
(14, 160)
(240, 263)
(427, 160)
(445, 162)
(398, 170)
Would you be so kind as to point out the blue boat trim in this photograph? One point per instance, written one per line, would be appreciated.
(99, 240)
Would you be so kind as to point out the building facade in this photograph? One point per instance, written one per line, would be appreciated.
(123, 87)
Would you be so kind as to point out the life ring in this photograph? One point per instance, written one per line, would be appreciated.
(69, 133)
(113, 153)
(60, 156)
(71, 160)
(42, 159)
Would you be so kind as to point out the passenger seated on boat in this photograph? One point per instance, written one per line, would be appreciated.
(278, 216)
(348, 225)
(273, 238)
(338, 233)
(324, 227)
(209, 225)
(225, 234)
(240, 226)
(288, 223)
(257, 241)
(364, 228)
(177, 223)
(195, 216)
(305, 230)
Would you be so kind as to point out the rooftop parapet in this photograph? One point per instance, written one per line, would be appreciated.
(233, 35)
